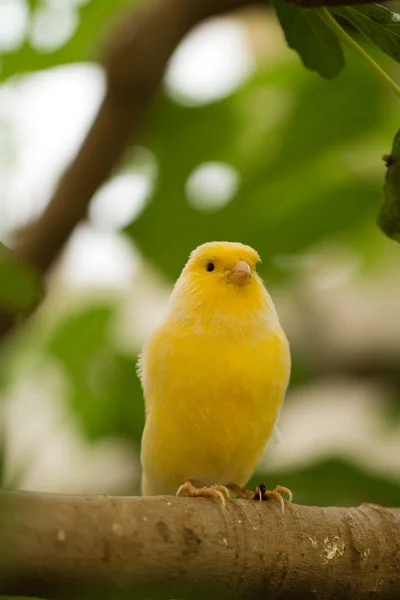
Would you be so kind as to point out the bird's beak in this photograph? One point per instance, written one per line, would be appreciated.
(240, 273)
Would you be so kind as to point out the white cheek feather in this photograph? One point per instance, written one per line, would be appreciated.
(277, 436)
(139, 366)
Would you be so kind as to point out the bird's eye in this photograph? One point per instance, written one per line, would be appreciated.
(210, 266)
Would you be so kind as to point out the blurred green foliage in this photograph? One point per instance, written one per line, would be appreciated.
(94, 20)
(105, 393)
(295, 188)
(20, 286)
(300, 146)
(334, 482)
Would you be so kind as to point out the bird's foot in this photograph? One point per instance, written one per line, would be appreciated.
(261, 493)
(213, 491)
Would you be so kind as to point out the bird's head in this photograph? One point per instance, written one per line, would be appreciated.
(222, 263)
(219, 283)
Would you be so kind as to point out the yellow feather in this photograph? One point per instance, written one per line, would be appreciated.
(214, 375)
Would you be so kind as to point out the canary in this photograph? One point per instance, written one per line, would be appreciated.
(214, 377)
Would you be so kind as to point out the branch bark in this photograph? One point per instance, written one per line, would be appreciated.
(165, 547)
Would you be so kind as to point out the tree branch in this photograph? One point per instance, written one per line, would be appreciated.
(165, 547)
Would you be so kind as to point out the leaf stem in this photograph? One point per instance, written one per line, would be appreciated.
(348, 40)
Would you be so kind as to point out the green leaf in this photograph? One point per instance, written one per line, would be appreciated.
(377, 23)
(306, 32)
(95, 18)
(20, 286)
(389, 214)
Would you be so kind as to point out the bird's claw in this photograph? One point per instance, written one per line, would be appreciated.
(213, 491)
(261, 493)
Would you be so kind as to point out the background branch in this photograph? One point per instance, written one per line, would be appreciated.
(164, 546)
(134, 60)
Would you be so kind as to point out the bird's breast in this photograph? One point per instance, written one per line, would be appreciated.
(213, 404)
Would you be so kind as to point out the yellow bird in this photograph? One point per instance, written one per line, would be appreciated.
(214, 377)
